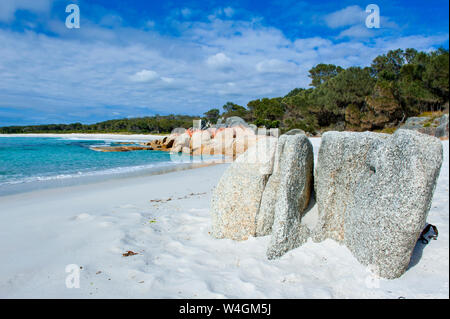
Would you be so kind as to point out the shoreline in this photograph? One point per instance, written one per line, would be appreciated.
(73, 181)
(94, 136)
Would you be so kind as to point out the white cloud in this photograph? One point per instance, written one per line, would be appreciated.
(345, 17)
(9, 7)
(167, 80)
(218, 60)
(144, 76)
(358, 31)
(353, 20)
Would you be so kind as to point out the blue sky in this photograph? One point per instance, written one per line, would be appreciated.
(138, 58)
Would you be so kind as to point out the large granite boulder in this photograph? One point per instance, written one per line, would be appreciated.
(431, 125)
(391, 201)
(289, 192)
(374, 192)
(342, 159)
(237, 197)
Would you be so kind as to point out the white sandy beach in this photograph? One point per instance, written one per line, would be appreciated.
(92, 225)
(109, 136)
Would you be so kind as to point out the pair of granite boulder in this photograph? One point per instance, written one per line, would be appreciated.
(373, 192)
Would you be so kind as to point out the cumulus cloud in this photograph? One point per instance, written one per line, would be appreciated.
(345, 17)
(353, 20)
(357, 31)
(144, 76)
(218, 60)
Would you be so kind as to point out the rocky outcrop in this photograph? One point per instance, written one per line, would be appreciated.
(391, 201)
(430, 125)
(293, 185)
(236, 199)
(230, 139)
(374, 192)
(229, 142)
(181, 143)
(265, 191)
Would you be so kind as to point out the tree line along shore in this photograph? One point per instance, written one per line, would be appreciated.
(380, 97)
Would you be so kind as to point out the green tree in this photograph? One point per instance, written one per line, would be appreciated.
(212, 115)
(322, 73)
(267, 110)
(232, 109)
(436, 74)
(350, 86)
(388, 66)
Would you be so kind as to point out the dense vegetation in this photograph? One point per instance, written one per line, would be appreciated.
(153, 124)
(397, 85)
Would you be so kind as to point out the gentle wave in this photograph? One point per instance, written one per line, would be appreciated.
(110, 171)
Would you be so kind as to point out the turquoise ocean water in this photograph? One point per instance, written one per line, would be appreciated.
(27, 163)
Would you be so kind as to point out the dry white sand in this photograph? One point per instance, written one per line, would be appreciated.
(93, 225)
(78, 136)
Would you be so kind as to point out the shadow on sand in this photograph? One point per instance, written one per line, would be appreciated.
(418, 251)
(417, 254)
